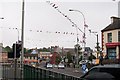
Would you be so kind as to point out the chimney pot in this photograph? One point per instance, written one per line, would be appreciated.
(113, 19)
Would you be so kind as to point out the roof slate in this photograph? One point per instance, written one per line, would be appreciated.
(112, 26)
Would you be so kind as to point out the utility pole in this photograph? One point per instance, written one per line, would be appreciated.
(22, 40)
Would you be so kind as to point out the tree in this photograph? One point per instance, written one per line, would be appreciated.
(58, 59)
(69, 57)
(29, 51)
(45, 49)
(8, 49)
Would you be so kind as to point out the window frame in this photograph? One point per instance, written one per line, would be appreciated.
(109, 37)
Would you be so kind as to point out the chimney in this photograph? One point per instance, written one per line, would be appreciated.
(113, 19)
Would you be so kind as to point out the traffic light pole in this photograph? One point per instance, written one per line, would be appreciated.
(15, 61)
(97, 46)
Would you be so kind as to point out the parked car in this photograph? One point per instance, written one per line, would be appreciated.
(55, 66)
(61, 66)
(33, 64)
(103, 72)
(49, 65)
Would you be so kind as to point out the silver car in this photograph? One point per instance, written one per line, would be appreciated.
(49, 65)
(61, 66)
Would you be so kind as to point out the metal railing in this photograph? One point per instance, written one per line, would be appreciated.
(34, 73)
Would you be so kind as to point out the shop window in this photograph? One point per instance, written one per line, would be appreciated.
(111, 53)
(109, 37)
(118, 36)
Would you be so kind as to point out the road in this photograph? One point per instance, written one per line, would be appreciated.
(77, 72)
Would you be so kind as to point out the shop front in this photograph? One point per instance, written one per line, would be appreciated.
(113, 50)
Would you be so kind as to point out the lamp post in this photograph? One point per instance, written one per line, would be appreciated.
(85, 25)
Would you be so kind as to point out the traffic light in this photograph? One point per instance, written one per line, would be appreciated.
(17, 47)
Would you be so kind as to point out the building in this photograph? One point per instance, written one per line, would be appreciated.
(29, 58)
(111, 39)
(44, 55)
(3, 54)
(4, 57)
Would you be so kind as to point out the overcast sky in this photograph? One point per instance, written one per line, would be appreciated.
(45, 26)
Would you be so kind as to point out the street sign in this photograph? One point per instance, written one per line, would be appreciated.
(66, 60)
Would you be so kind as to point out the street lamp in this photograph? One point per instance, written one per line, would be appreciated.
(85, 25)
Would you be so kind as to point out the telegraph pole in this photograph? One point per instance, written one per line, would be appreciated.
(22, 40)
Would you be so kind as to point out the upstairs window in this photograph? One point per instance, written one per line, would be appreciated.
(118, 36)
(109, 37)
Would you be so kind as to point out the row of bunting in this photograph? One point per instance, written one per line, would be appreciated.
(42, 31)
(73, 24)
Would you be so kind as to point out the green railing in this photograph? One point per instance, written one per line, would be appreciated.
(33, 73)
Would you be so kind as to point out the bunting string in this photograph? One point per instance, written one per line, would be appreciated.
(73, 24)
(41, 31)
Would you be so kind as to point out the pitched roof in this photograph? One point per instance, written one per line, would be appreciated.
(112, 26)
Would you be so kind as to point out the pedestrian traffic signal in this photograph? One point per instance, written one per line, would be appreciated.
(16, 49)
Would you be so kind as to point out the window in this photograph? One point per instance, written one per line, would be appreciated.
(109, 37)
(118, 36)
(111, 53)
